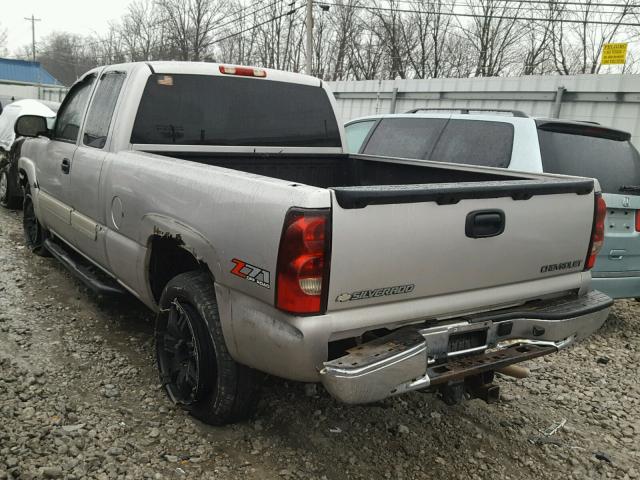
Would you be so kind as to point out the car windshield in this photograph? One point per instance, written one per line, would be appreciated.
(213, 110)
(589, 151)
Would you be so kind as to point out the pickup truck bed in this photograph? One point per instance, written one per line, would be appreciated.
(395, 202)
(340, 170)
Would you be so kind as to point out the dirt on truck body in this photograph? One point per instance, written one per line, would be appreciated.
(79, 399)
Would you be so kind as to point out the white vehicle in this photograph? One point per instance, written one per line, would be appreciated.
(10, 191)
(510, 139)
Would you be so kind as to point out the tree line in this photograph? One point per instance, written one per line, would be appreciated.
(360, 39)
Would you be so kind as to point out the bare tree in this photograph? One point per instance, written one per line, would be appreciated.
(494, 32)
(233, 46)
(143, 32)
(345, 24)
(538, 37)
(390, 28)
(578, 41)
(3, 41)
(191, 24)
(427, 37)
(360, 39)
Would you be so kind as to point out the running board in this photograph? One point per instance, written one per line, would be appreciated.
(80, 271)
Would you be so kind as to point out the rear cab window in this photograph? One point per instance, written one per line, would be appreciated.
(591, 151)
(471, 142)
(186, 109)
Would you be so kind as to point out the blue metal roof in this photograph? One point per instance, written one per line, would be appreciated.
(23, 71)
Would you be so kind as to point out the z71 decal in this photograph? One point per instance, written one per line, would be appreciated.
(376, 292)
(252, 273)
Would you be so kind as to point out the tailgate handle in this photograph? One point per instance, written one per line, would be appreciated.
(484, 223)
(617, 254)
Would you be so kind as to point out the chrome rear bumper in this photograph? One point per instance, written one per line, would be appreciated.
(415, 358)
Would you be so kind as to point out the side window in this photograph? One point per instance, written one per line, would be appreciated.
(405, 137)
(356, 133)
(101, 109)
(70, 114)
(475, 142)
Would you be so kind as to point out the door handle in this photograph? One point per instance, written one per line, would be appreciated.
(617, 254)
(66, 165)
(484, 223)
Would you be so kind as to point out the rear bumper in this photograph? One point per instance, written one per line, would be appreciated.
(617, 287)
(415, 358)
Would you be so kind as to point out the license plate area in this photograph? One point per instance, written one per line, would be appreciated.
(467, 342)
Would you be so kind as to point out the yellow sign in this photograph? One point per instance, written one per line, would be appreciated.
(614, 54)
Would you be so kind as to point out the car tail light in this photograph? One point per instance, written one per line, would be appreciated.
(303, 262)
(597, 232)
(242, 71)
(637, 220)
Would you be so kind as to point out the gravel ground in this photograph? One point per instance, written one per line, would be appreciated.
(79, 398)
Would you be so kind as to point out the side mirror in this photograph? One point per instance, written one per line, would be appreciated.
(31, 126)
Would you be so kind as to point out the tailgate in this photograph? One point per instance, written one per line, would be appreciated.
(394, 243)
(621, 249)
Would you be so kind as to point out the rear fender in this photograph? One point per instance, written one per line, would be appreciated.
(189, 238)
(154, 225)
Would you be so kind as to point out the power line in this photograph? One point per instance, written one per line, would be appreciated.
(560, 3)
(291, 12)
(217, 40)
(496, 17)
(560, 10)
(250, 14)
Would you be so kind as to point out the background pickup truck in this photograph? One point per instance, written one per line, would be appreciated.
(222, 198)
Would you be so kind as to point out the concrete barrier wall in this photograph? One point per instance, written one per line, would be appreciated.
(612, 100)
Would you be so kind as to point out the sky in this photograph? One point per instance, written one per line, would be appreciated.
(76, 16)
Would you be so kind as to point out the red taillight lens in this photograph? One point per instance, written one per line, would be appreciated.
(597, 233)
(637, 220)
(303, 261)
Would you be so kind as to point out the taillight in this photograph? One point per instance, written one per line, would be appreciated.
(637, 220)
(597, 232)
(242, 71)
(303, 262)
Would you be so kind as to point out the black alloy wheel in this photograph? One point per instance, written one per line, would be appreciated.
(178, 355)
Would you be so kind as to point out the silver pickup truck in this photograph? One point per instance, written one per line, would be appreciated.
(222, 198)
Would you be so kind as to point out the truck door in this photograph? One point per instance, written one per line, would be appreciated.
(54, 195)
(88, 216)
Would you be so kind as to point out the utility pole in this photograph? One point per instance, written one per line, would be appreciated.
(309, 23)
(33, 21)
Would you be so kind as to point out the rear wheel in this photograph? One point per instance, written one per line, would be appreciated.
(8, 198)
(34, 232)
(195, 366)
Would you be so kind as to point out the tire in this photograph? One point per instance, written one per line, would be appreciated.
(8, 198)
(196, 369)
(34, 233)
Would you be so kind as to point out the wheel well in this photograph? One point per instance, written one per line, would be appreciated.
(168, 259)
